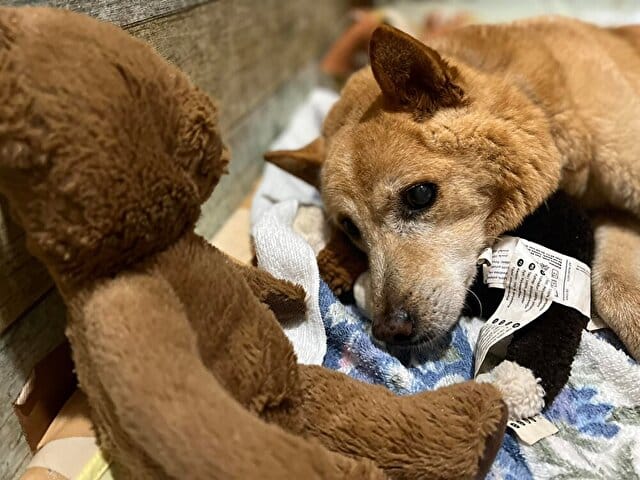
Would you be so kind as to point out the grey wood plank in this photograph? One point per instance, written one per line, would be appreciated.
(248, 141)
(21, 347)
(241, 51)
(22, 278)
(120, 12)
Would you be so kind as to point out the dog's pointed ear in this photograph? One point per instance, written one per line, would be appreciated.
(304, 163)
(411, 75)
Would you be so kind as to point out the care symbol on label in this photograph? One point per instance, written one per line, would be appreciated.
(522, 423)
(506, 323)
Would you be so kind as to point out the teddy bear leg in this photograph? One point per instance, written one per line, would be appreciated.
(616, 277)
(453, 432)
(164, 404)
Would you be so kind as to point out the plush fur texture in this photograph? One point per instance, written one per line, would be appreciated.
(106, 152)
(533, 116)
(285, 299)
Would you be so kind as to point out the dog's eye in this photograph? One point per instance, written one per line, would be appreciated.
(420, 196)
(350, 228)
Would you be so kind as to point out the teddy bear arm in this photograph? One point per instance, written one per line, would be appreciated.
(183, 417)
(453, 432)
(285, 299)
(238, 336)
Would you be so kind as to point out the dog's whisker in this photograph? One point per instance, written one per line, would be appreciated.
(477, 299)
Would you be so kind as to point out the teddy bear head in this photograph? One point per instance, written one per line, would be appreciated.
(106, 150)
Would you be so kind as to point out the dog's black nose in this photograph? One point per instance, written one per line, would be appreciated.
(397, 327)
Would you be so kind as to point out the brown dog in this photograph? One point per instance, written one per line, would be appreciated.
(432, 153)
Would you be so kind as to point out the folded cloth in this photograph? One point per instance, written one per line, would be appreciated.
(279, 249)
(286, 255)
(597, 413)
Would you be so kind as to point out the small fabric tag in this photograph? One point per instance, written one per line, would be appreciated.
(533, 429)
(596, 323)
(495, 261)
(528, 294)
(570, 278)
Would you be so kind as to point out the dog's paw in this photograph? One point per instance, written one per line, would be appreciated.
(520, 389)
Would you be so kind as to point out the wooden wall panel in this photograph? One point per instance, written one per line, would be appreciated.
(21, 347)
(248, 140)
(120, 12)
(239, 52)
(22, 278)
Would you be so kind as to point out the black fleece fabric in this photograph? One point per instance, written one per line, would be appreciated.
(547, 345)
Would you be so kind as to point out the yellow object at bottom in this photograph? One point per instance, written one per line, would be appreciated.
(96, 469)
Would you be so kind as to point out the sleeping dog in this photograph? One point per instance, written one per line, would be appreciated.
(434, 151)
(538, 359)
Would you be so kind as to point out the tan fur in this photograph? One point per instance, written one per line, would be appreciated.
(304, 163)
(616, 276)
(542, 104)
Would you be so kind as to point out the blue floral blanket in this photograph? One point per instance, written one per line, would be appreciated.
(597, 413)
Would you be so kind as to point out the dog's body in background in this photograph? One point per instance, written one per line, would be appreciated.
(432, 153)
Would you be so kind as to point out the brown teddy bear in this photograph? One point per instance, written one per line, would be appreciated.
(106, 153)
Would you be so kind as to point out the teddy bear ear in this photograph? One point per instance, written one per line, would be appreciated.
(304, 163)
(411, 75)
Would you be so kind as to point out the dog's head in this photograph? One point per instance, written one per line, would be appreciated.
(423, 165)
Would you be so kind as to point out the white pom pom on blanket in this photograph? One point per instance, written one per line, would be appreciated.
(520, 389)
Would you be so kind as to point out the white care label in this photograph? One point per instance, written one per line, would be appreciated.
(570, 278)
(530, 430)
(533, 277)
(528, 294)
